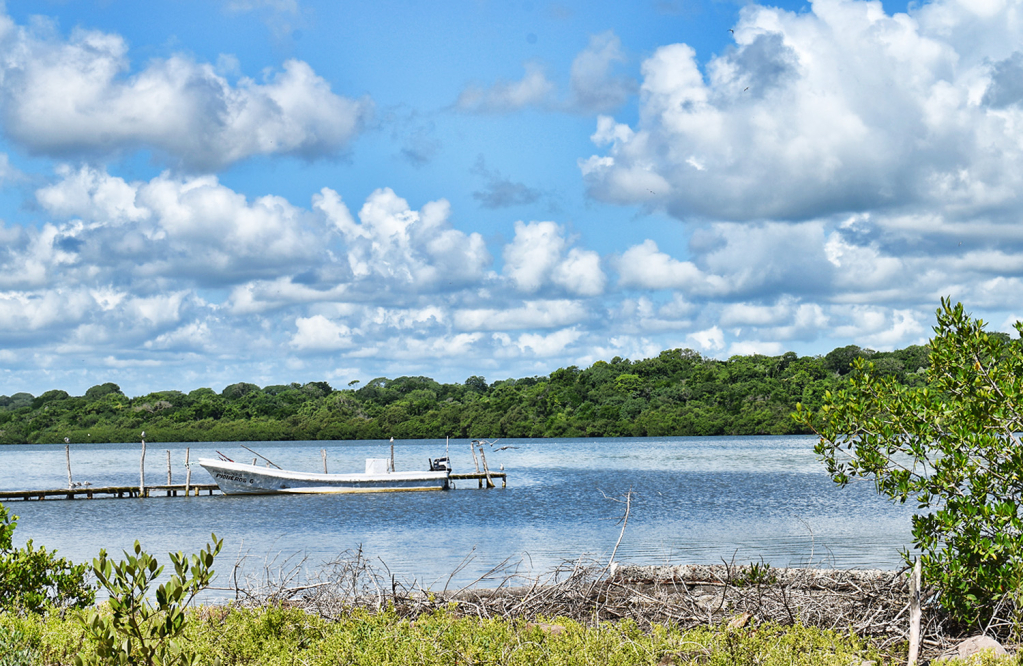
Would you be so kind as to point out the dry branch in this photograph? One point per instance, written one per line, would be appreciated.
(872, 603)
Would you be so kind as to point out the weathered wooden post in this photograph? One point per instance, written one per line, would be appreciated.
(392, 454)
(915, 613)
(188, 472)
(486, 470)
(142, 467)
(323, 454)
(475, 460)
(168, 468)
(67, 455)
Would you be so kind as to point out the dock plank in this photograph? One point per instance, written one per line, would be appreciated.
(109, 492)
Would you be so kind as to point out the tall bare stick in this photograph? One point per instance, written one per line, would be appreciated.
(625, 521)
(915, 614)
(168, 468)
(188, 472)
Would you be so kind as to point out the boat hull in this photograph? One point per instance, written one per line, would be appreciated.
(241, 479)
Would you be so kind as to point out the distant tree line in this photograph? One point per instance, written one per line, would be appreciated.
(678, 392)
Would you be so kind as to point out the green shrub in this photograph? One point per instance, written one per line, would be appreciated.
(34, 578)
(277, 636)
(137, 631)
(950, 446)
(15, 649)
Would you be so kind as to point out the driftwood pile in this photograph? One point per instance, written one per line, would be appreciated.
(872, 603)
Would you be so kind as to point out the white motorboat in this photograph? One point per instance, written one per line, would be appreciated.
(235, 478)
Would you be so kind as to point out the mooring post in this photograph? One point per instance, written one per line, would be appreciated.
(475, 460)
(323, 454)
(142, 468)
(392, 454)
(67, 455)
(486, 469)
(168, 468)
(188, 472)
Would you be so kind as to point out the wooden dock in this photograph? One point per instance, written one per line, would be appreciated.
(176, 489)
(482, 477)
(113, 492)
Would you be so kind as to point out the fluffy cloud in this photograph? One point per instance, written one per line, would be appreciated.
(532, 314)
(644, 266)
(173, 227)
(317, 333)
(76, 97)
(813, 113)
(394, 242)
(547, 345)
(708, 340)
(536, 257)
(121, 266)
(194, 336)
(881, 328)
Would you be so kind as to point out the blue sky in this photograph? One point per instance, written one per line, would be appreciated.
(200, 193)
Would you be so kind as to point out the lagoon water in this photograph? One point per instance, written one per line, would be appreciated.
(696, 500)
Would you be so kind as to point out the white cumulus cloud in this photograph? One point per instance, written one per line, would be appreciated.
(77, 96)
(536, 257)
(645, 266)
(317, 333)
(839, 108)
(392, 241)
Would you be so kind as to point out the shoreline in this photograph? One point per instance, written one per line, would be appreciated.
(870, 603)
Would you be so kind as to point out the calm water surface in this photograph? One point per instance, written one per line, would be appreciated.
(696, 500)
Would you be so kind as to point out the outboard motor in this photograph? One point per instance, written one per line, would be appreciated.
(439, 465)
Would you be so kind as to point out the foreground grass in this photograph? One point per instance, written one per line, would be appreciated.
(277, 636)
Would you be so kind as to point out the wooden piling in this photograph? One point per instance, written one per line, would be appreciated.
(142, 470)
(188, 472)
(67, 455)
(392, 454)
(323, 454)
(486, 470)
(472, 447)
(169, 482)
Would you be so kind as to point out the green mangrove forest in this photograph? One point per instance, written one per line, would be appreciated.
(678, 392)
